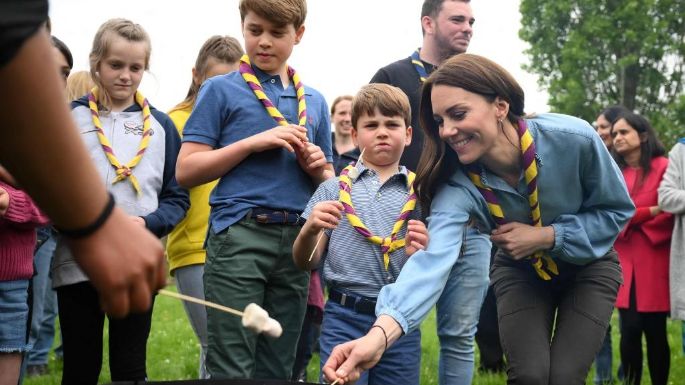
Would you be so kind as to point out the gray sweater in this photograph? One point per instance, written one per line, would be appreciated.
(672, 199)
(162, 202)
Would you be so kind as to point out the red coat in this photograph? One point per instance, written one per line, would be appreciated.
(644, 244)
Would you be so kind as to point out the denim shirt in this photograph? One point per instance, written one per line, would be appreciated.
(226, 112)
(582, 196)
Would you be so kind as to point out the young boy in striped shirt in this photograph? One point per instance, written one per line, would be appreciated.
(368, 219)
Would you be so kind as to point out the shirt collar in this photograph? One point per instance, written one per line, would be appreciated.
(403, 172)
(265, 78)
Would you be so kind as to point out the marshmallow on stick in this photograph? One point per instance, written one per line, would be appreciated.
(254, 317)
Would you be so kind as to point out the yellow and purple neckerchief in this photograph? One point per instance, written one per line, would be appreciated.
(251, 79)
(418, 65)
(387, 244)
(544, 265)
(123, 171)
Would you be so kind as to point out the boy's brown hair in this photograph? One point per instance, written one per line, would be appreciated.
(390, 101)
(278, 12)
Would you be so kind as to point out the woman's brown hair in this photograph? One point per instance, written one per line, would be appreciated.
(474, 74)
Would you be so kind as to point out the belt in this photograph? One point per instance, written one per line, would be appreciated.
(269, 216)
(362, 305)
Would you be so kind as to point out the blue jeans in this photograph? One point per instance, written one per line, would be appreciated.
(603, 361)
(189, 282)
(400, 365)
(14, 316)
(44, 305)
(458, 310)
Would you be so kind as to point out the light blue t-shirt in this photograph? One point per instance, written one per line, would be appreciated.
(581, 193)
(228, 111)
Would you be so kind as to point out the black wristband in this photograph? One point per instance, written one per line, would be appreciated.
(93, 227)
(384, 335)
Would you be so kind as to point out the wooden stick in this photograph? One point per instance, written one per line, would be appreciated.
(316, 246)
(336, 381)
(318, 239)
(199, 301)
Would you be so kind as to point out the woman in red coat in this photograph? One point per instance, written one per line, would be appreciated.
(643, 248)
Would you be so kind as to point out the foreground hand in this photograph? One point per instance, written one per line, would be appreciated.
(138, 220)
(416, 238)
(290, 137)
(349, 360)
(519, 240)
(124, 262)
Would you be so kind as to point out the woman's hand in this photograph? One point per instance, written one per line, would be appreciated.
(519, 240)
(349, 360)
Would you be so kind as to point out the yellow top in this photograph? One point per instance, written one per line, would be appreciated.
(184, 244)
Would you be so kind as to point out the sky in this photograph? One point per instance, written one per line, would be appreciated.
(344, 44)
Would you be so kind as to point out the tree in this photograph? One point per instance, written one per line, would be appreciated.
(590, 54)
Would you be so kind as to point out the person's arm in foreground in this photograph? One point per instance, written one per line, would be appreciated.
(44, 152)
(404, 304)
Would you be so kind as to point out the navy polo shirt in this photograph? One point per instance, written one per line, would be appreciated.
(228, 111)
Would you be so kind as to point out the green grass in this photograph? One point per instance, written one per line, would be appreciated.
(173, 352)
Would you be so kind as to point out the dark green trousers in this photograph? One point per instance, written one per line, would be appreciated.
(252, 262)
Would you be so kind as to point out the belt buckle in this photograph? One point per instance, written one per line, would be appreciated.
(262, 218)
(343, 299)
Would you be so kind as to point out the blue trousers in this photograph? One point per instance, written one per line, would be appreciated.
(400, 365)
(458, 309)
(44, 305)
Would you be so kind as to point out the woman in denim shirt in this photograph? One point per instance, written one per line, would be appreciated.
(555, 280)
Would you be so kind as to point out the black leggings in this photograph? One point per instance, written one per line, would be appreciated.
(82, 322)
(653, 325)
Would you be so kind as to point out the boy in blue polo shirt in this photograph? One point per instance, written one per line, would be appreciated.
(367, 231)
(267, 138)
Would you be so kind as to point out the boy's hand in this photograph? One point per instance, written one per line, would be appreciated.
(324, 215)
(416, 238)
(290, 137)
(312, 160)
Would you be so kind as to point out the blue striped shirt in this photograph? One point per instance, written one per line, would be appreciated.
(352, 262)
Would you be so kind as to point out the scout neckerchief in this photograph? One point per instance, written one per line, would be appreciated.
(251, 79)
(124, 171)
(418, 64)
(544, 264)
(387, 244)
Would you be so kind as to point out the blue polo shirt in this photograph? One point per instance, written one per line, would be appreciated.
(228, 111)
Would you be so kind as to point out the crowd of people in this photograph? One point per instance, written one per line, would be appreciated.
(430, 187)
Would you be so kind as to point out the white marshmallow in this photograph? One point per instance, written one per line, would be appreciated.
(257, 319)
(353, 173)
(272, 328)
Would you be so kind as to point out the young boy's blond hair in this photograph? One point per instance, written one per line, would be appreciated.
(390, 101)
(278, 12)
